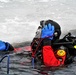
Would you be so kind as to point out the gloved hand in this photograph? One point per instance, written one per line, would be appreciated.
(2, 45)
(5, 46)
(47, 31)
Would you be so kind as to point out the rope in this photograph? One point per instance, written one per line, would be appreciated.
(33, 53)
(8, 59)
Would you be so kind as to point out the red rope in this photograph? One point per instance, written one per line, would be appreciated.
(40, 39)
(33, 53)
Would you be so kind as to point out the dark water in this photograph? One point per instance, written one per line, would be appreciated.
(20, 64)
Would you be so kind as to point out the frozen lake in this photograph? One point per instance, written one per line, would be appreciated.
(19, 19)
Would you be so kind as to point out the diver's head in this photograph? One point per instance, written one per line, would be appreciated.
(57, 32)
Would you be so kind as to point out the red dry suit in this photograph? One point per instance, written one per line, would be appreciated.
(49, 57)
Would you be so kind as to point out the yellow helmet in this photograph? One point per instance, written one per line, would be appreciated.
(61, 53)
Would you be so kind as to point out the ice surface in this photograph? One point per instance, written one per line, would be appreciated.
(19, 19)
